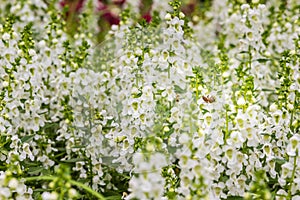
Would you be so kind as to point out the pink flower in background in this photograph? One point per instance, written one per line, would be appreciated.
(101, 6)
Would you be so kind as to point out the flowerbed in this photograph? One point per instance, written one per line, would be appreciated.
(202, 105)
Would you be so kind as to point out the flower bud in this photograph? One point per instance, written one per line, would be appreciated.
(168, 17)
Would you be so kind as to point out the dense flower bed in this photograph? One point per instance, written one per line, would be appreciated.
(176, 106)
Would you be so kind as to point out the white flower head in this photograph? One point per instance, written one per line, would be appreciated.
(6, 36)
(241, 101)
(294, 145)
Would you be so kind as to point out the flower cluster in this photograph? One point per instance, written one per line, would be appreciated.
(170, 109)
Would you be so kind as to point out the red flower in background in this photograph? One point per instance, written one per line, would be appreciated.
(73, 5)
(106, 12)
(119, 2)
(147, 17)
(109, 11)
(111, 18)
(189, 8)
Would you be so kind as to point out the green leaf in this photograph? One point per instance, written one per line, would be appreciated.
(235, 198)
(267, 90)
(179, 90)
(244, 52)
(280, 161)
(41, 190)
(50, 125)
(167, 134)
(116, 197)
(31, 164)
(79, 146)
(35, 170)
(27, 138)
(262, 60)
(224, 178)
(73, 160)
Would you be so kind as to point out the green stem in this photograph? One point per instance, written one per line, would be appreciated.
(250, 57)
(72, 182)
(40, 178)
(293, 176)
(197, 92)
(227, 125)
(292, 116)
(88, 189)
(62, 194)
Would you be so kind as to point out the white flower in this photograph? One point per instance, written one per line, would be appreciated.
(245, 6)
(42, 44)
(158, 160)
(241, 101)
(297, 197)
(241, 119)
(208, 118)
(5, 192)
(13, 183)
(287, 169)
(32, 52)
(283, 193)
(181, 15)
(176, 21)
(72, 193)
(5, 83)
(236, 139)
(54, 41)
(184, 138)
(168, 17)
(230, 154)
(49, 196)
(273, 107)
(175, 114)
(6, 36)
(169, 93)
(261, 6)
(294, 145)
